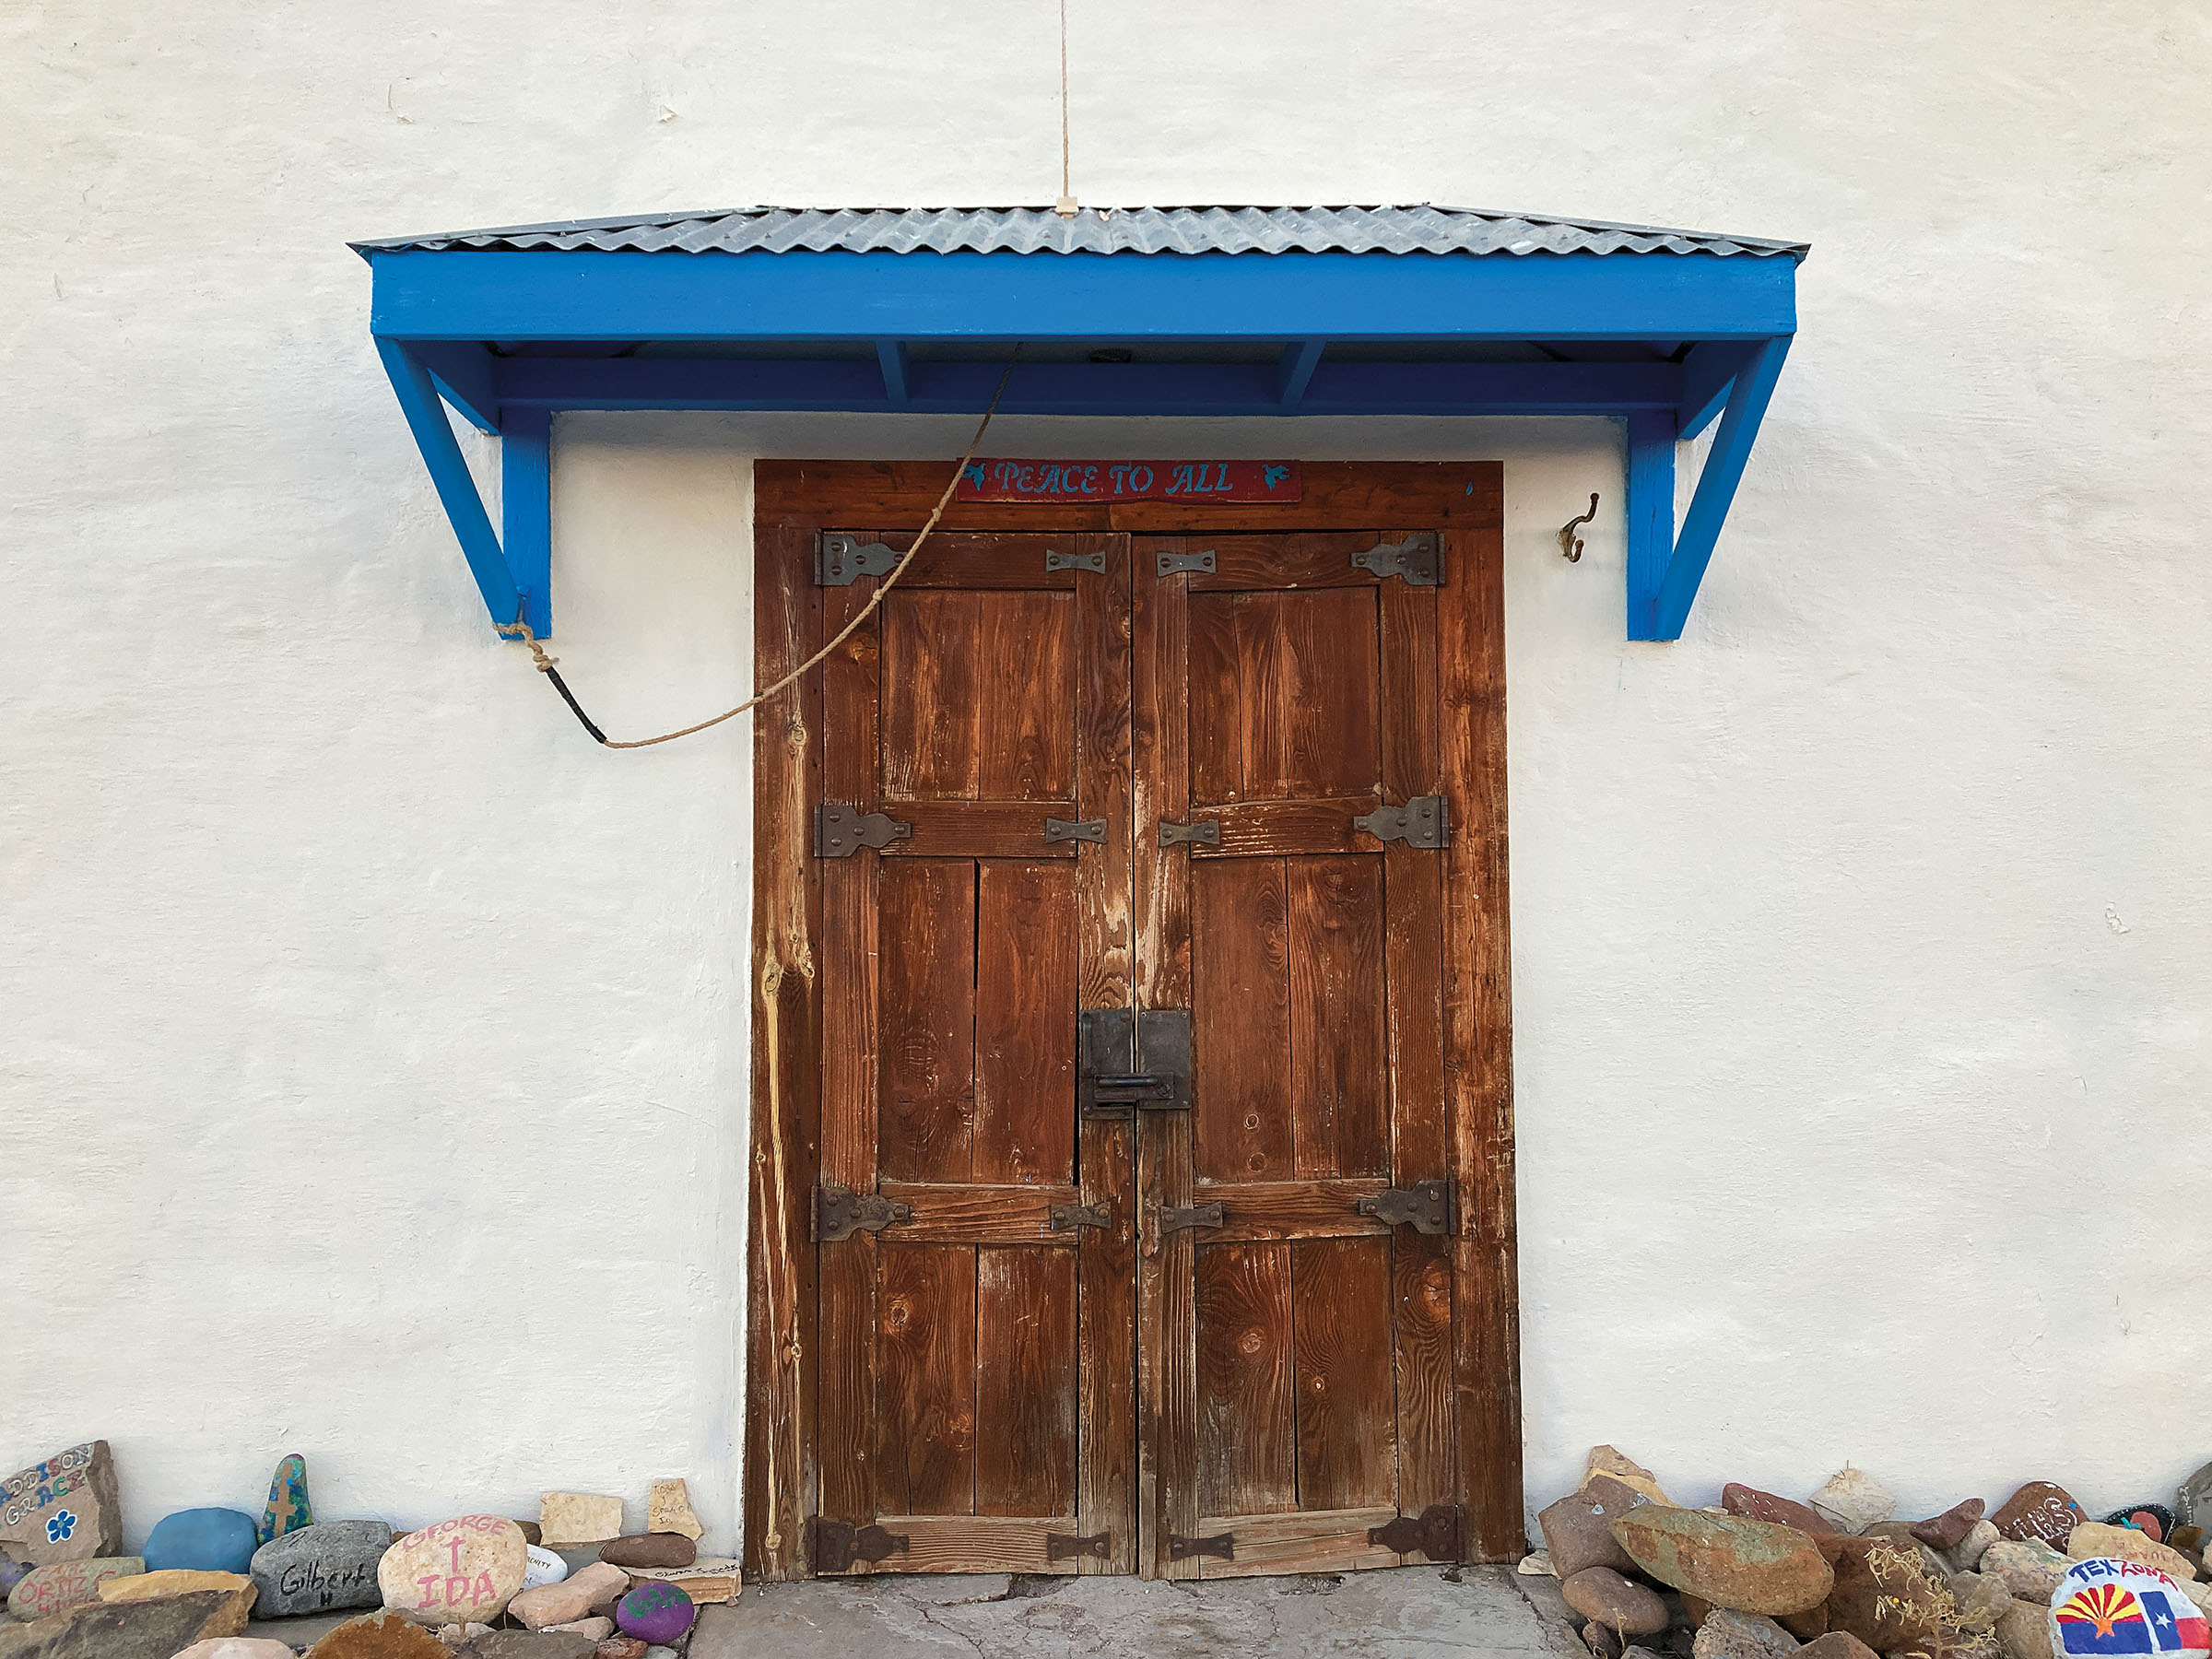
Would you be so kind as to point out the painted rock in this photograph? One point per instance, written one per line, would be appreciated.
(650, 1549)
(202, 1540)
(668, 1509)
(2154, 1520)
(2192, 1503)
(320, 1569)
(655, 1613)
(1751, 1566)
(2117, 1606)
(1578, 1529)
(385, 1635)
(1853, 1500)
(288, 1509)
(1728, 1634)
(1755, 1505)
(708, 1579)
(64, 1509)
(459, 1571)
(571, 1598)
(1602, 1597)
(1882, 1595)
(569, 1519)
(546, 1568)
(46, 1591)
(1949, 1530)
(2039, 1510)
(2094, 1538)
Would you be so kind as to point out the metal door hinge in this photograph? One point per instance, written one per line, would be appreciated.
(834, 1545)
(1075, 562)
(1174, 1219)
(1426, 1204)
(841, 830)
(1205, 832)
(1062, 1547)
(1129, 1060)
(1223, 1545)
(1424, 821)
(840, 1212)
(840, 560)
(1434, 1533)
(1174, 564)
(1067, 1218)
(1078, 830)
(1415, 559)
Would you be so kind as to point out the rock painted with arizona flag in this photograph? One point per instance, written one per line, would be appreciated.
(2106, 1607)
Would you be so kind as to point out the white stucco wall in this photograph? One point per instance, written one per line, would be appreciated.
(374, 1057)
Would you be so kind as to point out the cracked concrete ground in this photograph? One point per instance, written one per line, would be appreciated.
(1405, 1613)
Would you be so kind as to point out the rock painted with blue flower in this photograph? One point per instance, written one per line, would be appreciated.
(64, 1509)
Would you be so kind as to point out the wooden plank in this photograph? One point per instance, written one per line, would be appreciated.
(1280, 828)
(933, 725)
(1308, 663)
(1421, 1287)
(1106, 1314)
(1339, 1084)
(846, 1365)
(1216, 716)
(1025, 1019)
(1247, 1434)
(926, 936)
(784, 1123)
(1301, 1541)
(1284, 561)
(1239, 1014)
(989, 560)
(926, 1377)
(1025, 1380)
(1027, 646)
(1291, 1209)
(1103, 776)
(976, 1543)
(978, 829)
(1347, 1415)
(1343, 495)
(962, 1213)
(1479, 1035)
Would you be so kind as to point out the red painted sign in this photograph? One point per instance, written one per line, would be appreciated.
(1193, 481)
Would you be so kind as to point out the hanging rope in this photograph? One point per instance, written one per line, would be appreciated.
(518, 628)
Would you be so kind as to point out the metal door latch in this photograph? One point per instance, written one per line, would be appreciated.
(1424, 821)
(1128, 1059)
(1434, 1533)
(840, 1212)
(834, 1545)
(840, 560)
(1067, 1218)
(841, 830)
(1427, 1206)
(1074, 561)
(1174, 1218)
(1174, 564)
(1062, 1547)
(1078, 830)
(1415, 559)
(1223, 1545)
(1205, 832)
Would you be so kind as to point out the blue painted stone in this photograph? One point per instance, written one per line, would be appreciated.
(288, 1509)
(202, 1540)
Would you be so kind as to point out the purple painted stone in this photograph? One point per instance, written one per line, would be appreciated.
(655, 1613)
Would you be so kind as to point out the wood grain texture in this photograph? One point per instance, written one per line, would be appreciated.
(784, 1122)
(1025, 1380)
(1301, 1541)
(926, 1378)
(1214, 700)
(1104, 777)
(1285, 561)
(976, 1543)
(1291, 1209)
(1339, 1081)
(1241, 1020)
(926, 933)
(980, 703)
(987, 561)
(1420, 1280)
(978, 829)
(1106, 1314)
(1292, 829)
(1347, 1415)
(964, 1213)
(1247, 1436)
(1306, 669)
(1479, 1035)
(1025, 1020)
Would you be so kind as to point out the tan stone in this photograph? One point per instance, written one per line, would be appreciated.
(709, 1578)
(2093, 1538)
(239, 1647)
(173, 1581)
(569, 1519)
(145, 1630)
(2024, 1631)
(668, 1509)
(458, 1572)
(598, 1630)
(570, 1599)
(385, 1635)
(75, 1492)
(1748, 1566)
(1604, 1459)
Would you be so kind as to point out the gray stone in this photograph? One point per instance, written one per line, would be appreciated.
(2192, 1503)
(1967, 1558)
(141, 1630)
(320, 1569)
(2031, 1569)
(1983, 1599)
(1601, 1595)
(1727, 1634)
(526, 1644)
(2024, 1632)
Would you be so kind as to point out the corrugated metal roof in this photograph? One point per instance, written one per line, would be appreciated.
(1380, 230)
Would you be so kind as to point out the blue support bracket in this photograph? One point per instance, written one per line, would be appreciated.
(526, 508)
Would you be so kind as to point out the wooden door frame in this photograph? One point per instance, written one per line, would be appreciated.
(1462, 500)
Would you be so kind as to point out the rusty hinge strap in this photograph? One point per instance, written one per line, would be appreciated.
(1223, 1545)
(1205, 832)
(1174, 1218)
(1078, 830)
(1074, 561)
(1426, 1205)
(840, 560)
(1434, 1533)
(1415, 560)
(841, 830)
(1062, 1547)
(1423, 821)
(834, 1545)
(1068, 1217)
(838, 1212)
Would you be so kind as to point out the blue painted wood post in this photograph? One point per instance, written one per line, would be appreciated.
(526, 506)
(1722, 471)
(1650, 492)
(419, 401)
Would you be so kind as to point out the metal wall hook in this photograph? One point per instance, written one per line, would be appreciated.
(1571, 545)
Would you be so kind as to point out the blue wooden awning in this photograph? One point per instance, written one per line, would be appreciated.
(1281, 312)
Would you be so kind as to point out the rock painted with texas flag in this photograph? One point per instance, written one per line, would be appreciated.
(2109, 1606)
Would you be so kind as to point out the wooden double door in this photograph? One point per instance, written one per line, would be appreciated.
(1137, 1202)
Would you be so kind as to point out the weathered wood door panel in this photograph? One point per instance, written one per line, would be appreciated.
(1295, 1353)
(976, 1353)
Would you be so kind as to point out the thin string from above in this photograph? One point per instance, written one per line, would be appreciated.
(518, 628)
